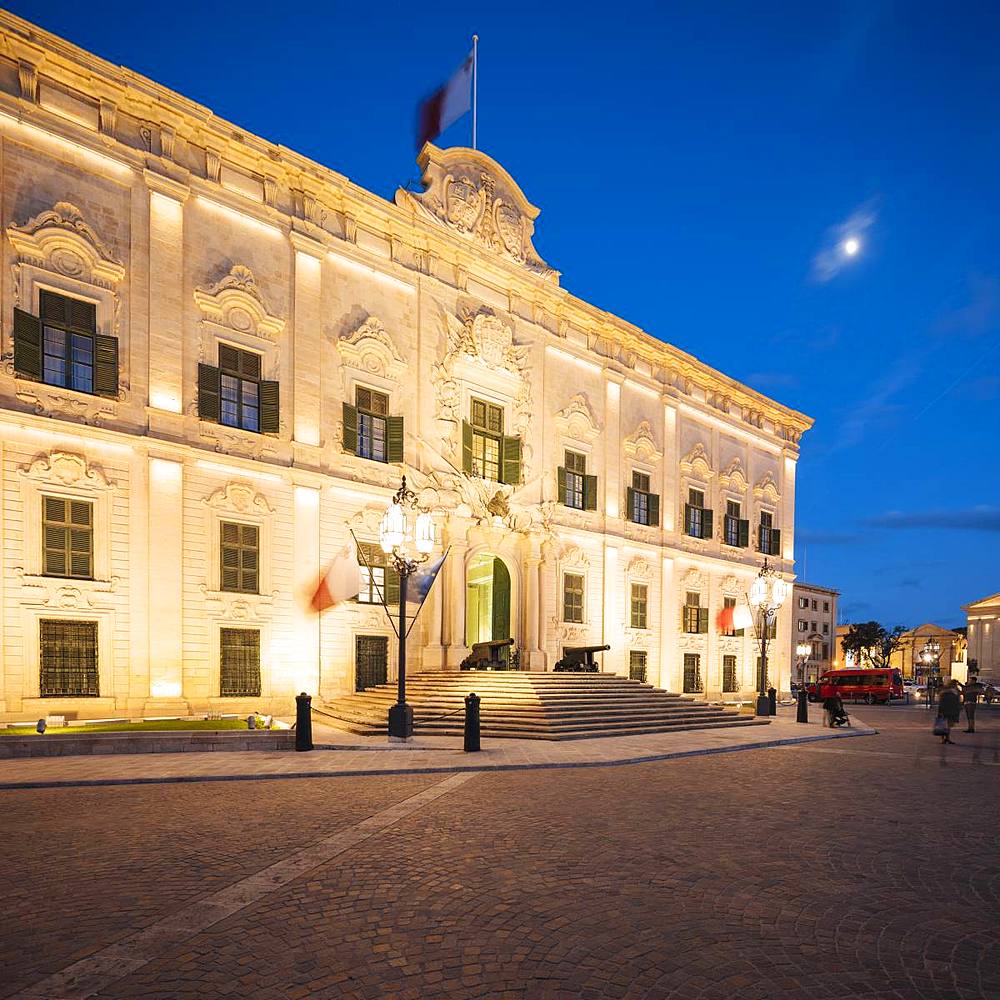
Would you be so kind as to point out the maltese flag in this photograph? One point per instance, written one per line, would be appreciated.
(446, 105)
(733, 619)
(340, 583)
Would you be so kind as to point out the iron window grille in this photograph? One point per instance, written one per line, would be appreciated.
(729, 684)
(67, 658)
(637, 665)
(573, 598)
(239, 552)
(639, 605)
(67, 538)
(239, 663)
(371, 661)
(692, 673)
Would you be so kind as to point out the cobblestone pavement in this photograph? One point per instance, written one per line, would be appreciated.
(856, 868)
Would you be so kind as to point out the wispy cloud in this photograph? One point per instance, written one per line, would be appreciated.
(980, 518)
(831, 259)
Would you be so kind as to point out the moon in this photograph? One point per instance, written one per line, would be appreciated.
(851, 246)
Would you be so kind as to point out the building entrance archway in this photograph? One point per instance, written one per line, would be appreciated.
(488, 612)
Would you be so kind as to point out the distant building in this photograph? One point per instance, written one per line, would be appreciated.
(814, 623)
(983, 630)
(951, 658)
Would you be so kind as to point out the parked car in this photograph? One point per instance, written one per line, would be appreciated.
(877, 686)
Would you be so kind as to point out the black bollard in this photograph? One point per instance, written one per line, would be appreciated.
(802, 709)
(303, 722)
(472, 723)
(772, 701)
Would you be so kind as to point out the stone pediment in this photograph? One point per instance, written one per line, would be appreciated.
(474, 196)
(235, 301)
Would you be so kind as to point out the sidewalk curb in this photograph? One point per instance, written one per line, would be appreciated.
(437, 769)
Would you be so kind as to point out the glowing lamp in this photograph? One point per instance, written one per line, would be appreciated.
(779, 592)
(392, 530)
(758, 592)
(424, 532)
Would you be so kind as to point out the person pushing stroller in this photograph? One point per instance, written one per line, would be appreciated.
(834, 713)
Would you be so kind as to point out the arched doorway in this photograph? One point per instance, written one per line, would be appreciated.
(487, 599)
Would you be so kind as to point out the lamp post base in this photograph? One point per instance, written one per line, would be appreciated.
(400, 722)
(763, 705)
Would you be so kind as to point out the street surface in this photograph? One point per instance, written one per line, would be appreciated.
(866, 867)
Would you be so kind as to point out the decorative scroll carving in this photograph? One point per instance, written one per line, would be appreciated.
(474, 196)
(766, 489)
(733, 477)
(46, 402)
(573, 557)
(370, 349)
(576, 420)
(241, 498)
(696, 463)
(236, 302)
(641, 444)
(693, 579)
(67, 468)
(640, 569)
(60, 240)
(730, 585)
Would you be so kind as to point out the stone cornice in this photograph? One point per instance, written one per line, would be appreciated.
(322, 190)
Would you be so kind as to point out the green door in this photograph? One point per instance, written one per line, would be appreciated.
(501, 600)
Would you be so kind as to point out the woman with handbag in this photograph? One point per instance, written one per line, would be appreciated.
(949, 711)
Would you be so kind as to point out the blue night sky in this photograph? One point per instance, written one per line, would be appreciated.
(695, 165)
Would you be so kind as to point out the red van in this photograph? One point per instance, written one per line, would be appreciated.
(878, 686)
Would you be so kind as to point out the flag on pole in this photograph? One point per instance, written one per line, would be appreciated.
(447, 104)
(423, 579)
(733, 619)
(340, 583)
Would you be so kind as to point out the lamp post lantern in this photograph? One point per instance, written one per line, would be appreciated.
(407, 545)
(767, 593)
(802, 651)
(930, 656)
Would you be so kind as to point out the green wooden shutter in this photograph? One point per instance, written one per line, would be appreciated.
(654, 508)
(209, 391)
(590, 492)
(511, 471)
(629, 503)
(706, 523)
(270, 411)
(467, 447)
(561, 479)
(27, 344)
(391, 589)
(350, 435)
(702, 620)
(743, 527)
(775, 541)
(105, 365)
(501, 599)
(687, 517)
(394, 439)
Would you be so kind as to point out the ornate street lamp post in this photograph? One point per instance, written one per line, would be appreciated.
(407, 546)
(802, 651)
(930, 656)
(767, 593)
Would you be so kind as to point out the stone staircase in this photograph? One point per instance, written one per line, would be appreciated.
(539, 706)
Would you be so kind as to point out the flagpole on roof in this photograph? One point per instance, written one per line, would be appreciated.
(475, 85)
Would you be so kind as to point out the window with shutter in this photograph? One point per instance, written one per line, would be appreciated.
(239, 556)
(642, 507)
(239, 663)
(372, 411)
(487, 440)
(270, 410)
(67, 538)
(692, 603)
(240, 387)
(379, 580)
(67, 652)
(697, 520)
(731, 524)
(574, 475)
(512, 460)
(639, 605)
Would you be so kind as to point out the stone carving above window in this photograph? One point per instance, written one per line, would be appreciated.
(59, 239)
(733, 477)
(766, 489)
(641, 445)
(240, 498)
(576, 420)
(474, 196)
(639, 569)
(573, 557)
(696, 463)
(370, 349)
(236, 302)
(66, 468)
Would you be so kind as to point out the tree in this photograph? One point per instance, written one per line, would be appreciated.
(871, 644)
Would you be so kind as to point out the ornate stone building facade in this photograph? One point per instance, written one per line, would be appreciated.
(218, 357)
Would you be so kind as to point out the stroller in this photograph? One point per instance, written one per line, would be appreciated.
(834, 713)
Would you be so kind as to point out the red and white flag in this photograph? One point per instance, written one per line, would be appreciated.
(733, 619)
(340, 583)
(446, 105)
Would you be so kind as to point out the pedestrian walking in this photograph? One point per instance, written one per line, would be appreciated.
(949, 710)
(970, 695)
